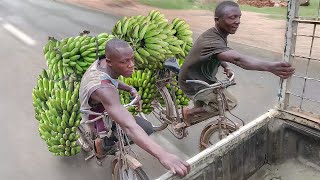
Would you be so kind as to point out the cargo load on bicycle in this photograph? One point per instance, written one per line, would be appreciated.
(56, 95)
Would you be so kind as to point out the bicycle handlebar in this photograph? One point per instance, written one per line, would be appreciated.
(134, 101)
(226, 83)
(100, 115)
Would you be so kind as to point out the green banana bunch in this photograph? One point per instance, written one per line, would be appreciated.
(73, 56)
(58, 123)
(183, 40)
(181, 99)
(49, 47)
(144, 82)
(157, 17)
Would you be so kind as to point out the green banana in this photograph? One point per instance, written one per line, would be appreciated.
(125, 25)
(183, 27)
(102, 35)
(135, 31)
(143, 31)
(152, 40)
(153, 46)
(152, 33)
(161, 36)
(119, 31)
(143, 52)
(185, 33)
(174, 49)
(152, 27)
(152, 52)
(138, 57)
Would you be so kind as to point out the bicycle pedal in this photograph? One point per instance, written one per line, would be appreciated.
(180, 125)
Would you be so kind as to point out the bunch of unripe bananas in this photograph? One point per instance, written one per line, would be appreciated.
(72, 56)
(57, 108)
(144, 83)
(154, 39)
(181, 99)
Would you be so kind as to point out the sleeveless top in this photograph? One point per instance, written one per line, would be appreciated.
(93, 79)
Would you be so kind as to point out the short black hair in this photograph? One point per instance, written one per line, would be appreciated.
(220, 9)
(113, 44)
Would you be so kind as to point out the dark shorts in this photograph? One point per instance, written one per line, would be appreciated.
(144, 124)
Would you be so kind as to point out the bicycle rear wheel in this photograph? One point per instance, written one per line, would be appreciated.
(163, 111)
(210, 134)
(119, 172)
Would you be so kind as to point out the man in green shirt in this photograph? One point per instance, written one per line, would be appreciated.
(209, 52)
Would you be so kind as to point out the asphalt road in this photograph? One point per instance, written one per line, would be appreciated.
(24, 154)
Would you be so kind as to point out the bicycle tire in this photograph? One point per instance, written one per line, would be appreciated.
(167, 112)
(117, 170)
(208, 131)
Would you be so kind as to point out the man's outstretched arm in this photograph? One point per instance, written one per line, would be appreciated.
(281, 69)
(110, 99)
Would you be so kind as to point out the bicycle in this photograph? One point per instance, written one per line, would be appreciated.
(168, 113)
(124, 165)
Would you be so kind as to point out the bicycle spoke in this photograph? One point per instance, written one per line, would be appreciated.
(132, 174)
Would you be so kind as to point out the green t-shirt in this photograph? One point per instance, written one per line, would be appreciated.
(201, 62)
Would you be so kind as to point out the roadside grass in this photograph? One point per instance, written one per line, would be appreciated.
(272, 12)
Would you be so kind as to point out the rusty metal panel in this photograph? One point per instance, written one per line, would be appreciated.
(236, 167)
(261, 146)
(249, 156)
(226, 161)
(302, 50)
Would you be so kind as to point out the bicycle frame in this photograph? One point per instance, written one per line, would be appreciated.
(123, 144)
(180, 124)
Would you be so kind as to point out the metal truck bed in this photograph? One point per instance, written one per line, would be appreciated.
(274, 146)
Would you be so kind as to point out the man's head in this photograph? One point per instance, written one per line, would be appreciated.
(227, 16)
(119, 57)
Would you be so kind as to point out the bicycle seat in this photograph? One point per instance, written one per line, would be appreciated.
(172, 64)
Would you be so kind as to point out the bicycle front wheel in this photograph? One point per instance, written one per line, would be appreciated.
(127, 173)
(163, 111)
(210, 134)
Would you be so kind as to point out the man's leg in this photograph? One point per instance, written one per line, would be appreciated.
(144, 124)
(206, 106)
(106, 146)
(190, 112)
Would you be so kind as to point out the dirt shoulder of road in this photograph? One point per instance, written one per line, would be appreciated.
(255, 30)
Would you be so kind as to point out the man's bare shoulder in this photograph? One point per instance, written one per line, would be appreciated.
(105, 94)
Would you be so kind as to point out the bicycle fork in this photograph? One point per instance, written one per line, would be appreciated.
(221, 107)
